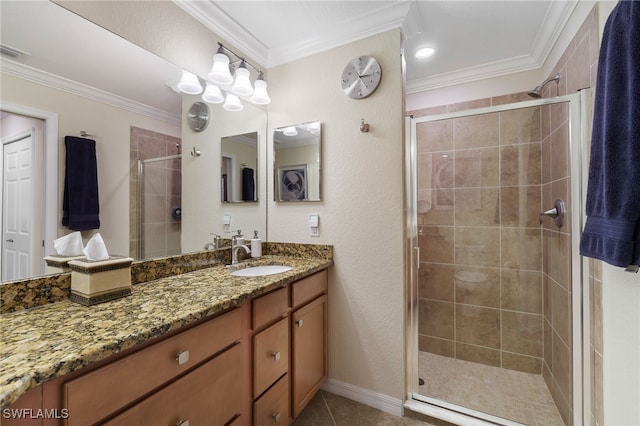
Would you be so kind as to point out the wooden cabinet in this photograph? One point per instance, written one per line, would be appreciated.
(308, 352)
(259, 363)
(270, 356)
(272, 408)
(95, 395)
(209, 395)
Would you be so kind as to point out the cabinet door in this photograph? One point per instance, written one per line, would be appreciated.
(270, 356)
(309, 352)
(209, 395)
(272, 408)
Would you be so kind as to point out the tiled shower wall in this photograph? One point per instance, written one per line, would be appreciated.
(577, 68)
(163, 192)
(479, 196)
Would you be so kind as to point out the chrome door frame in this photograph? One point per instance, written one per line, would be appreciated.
(580, 105)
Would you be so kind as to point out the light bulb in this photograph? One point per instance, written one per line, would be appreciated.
(290, 131)
(220, 73)
(260, 95)
(242, 85)
(212, 94)
(189, 84)
(232, 103)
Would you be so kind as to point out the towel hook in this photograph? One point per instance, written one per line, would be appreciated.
(85, 134)
(364, 127)
(195, 152)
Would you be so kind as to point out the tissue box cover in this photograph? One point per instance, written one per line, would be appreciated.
(97, 281)
(57, 264)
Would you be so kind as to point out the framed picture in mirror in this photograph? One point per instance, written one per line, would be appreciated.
(293, 183)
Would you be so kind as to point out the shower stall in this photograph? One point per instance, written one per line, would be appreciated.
(159, 194)
(494, 281)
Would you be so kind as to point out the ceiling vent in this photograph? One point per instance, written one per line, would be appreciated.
(12, 52)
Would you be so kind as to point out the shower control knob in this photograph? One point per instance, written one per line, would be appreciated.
(557, 213)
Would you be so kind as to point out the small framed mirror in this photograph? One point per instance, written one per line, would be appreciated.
(296, 162)
(238, 164)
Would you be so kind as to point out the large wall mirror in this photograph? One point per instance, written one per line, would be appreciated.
(107, 86)
(296, 162)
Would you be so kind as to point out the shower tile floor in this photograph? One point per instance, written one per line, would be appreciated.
(517, 396)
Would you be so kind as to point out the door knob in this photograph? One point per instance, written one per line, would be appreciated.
(557, 213)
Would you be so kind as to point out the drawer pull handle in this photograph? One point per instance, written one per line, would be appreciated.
(276, 417)
(299, 323)
(182, 357)
(182, 423)
(276, 356)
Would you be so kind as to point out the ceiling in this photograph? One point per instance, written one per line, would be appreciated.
(474, 39)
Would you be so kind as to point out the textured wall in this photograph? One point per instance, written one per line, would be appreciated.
(361, 212)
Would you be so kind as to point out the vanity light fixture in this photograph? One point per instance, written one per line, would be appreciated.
(212, 94)
(220, 73)
(290, 131)
(189, 83)
(242, 85)
(425, 52)
(220, 81)
(260, 95)
(232, 103)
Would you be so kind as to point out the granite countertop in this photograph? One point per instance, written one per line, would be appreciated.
(49, 341)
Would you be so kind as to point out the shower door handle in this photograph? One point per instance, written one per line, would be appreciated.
(557, 213)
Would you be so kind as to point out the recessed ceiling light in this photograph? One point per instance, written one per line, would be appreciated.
(425, 52)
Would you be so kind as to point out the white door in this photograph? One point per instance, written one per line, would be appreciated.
(17, 205)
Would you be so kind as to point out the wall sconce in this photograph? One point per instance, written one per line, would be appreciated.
(220, 80)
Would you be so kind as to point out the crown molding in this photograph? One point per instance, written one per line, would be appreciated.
(214, 18)
(554, 22)
(374, 22)
(475, 73)
(208, 13)
(25, 72)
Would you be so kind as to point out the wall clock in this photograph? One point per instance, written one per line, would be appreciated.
(361, 77)
(198, 116)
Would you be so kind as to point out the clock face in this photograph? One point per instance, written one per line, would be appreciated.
(198, 116)
(361, 77)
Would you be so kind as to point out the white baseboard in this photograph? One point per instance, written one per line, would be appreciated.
(365, 396)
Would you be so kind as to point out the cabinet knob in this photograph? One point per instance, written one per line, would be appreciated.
(182, 357)
(300, 323)
(276, 356)
(276, 417)
(182, 423)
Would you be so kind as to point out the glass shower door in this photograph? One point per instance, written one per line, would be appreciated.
(159, 201)
(493, 290)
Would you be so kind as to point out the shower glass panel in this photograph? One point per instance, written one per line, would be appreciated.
(494, 285)
(159, 200)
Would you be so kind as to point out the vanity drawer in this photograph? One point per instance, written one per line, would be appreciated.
(272, 408)
(269, 307)
(214, 397)
(270, 356)
(308, 288)
(99, 393)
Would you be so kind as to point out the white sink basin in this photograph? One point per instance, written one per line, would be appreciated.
(259, 271)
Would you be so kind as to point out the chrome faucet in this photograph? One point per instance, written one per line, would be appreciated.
(235, 246)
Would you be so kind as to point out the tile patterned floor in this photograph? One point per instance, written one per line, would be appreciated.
(327, 409)
(522, 397)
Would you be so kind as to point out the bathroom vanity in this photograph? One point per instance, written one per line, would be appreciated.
(198, 348)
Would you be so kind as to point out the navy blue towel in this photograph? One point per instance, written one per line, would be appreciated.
(612, 229)
(80, 206)
(248, 185)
